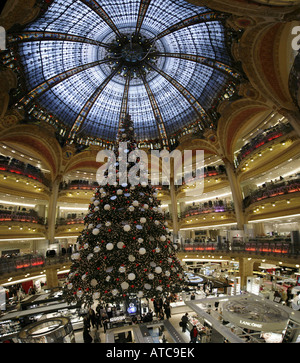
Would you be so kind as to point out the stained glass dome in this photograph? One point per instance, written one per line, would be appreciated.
(88, 62)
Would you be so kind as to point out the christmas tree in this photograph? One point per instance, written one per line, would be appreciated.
(125, 248)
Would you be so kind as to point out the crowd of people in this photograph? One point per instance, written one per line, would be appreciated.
(101, 317)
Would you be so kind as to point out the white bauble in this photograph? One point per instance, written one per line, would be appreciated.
(143, 220)
(70, 286)
(120, 245)
(108, 224)
(102, 190)
(107, 207)
(156, 222)
(110, 246)
(158, 270)
(157, 249)
(96, 295)
(142, 251)
(127, 228)
(140, 294)
(96, 209)
(155, 195)
(93, 199)
(86, 246)
(131, 258)
(90, 226)
(83, 277)
(144, 184)
(146, 206)
(115, 292)
(96, 231)
(167, 273)
(124, 285)
(79, 293)
(160, 210)
(131, 208)
(119, 191)
(75, 256)
(90, 256)
(122, 269)
(140, 240)
(96, 202)
(97, 249)
(94, 282)
(159, 288)
(131, 277)
(135, 203)
(150, 276)
(147, 286)
(163, 238)
(108, 278)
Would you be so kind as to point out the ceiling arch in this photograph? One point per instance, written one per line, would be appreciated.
(40, 143)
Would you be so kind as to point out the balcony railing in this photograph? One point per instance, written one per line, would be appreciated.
(262, 139)
(271, 190)
(17, 167)
(256, 247)
(219, 206)
(8, 216)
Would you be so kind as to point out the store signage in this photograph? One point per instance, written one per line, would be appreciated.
(250, 324)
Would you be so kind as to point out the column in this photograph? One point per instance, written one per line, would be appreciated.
(245, 270)
(236, 194)
(52, 210)
(52, 279)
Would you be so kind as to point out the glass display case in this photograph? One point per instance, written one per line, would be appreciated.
(54, 330)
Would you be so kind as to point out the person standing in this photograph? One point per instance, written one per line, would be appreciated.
(184, 321)
(167, 309)
(194, 334)
(92, 317)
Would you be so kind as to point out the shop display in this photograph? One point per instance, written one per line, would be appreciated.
(55, 330)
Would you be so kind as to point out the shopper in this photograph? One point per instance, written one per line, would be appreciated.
(194, 334)
(184, 321)
(98, 320)
(86, 323)
(86, 336)
(105, 322)
(92, 317)
(167, 309)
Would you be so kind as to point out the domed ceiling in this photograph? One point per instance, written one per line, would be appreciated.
(88, 62)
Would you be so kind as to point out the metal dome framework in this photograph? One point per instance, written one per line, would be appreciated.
(88, 63)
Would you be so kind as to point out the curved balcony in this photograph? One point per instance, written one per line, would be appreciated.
(219, 206)
(78, 185)
(266, 137)
(9, 216)
(17, 167)
(279, 247)
(271, 190)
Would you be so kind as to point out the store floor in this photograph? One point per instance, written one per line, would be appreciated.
(174, 320)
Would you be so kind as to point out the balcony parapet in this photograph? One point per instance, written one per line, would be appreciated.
(266, 137)
(272, 190)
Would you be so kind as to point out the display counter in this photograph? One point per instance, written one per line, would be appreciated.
(12, 323)
(54, 330)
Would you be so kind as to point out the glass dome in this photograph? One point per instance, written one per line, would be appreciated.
(89, 62)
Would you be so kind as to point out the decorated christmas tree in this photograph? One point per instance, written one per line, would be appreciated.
(125, 248)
